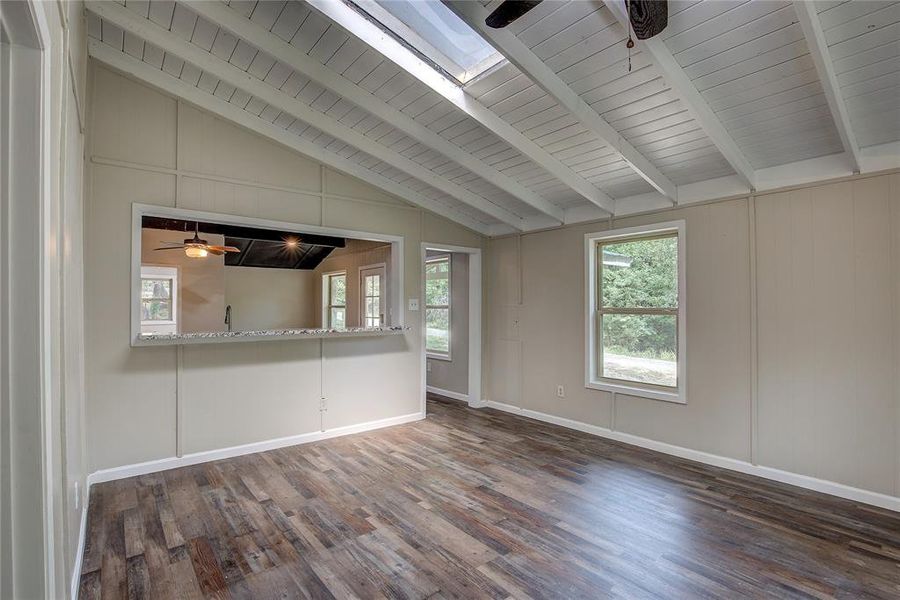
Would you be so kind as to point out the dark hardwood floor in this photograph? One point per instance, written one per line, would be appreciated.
(478, 503)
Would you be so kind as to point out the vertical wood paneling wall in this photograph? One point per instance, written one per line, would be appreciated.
(153, 403)
(826, 318)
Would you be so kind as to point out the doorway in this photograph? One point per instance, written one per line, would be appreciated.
(451, 322)
(30, 518)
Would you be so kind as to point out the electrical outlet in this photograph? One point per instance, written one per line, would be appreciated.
(413, 304)
(561, 391)
(323, 404)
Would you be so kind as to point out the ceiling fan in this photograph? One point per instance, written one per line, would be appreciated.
(648, 17)
(197, 247)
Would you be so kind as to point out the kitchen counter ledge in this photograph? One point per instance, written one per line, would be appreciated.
(210, 337)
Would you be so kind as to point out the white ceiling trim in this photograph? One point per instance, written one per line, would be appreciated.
(818, 49)
(684, 88)
(380, 41)
(140, 70)
(206, 61)
(244, 28)
(535, 69)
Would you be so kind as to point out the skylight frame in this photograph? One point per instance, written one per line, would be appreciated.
(422, 48)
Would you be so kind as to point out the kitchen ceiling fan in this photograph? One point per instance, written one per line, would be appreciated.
(648, 17)
(197, 247)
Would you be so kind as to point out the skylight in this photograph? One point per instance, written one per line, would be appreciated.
(435, 33)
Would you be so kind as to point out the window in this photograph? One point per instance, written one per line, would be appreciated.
(635, 312)
(371, 285)
(437, 307)
(159, 292)
(334, 286)
(156, 300)
(435, 34)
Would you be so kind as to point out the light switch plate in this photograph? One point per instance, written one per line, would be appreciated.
(413, 304)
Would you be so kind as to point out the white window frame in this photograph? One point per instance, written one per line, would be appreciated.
(449, 306)
(162, 272)
(383, 302)
(592, 379)
(326, 298)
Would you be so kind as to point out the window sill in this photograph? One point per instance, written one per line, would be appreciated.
(443, 357)
(676, 396)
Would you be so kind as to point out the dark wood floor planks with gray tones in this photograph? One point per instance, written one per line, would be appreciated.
(478, 503)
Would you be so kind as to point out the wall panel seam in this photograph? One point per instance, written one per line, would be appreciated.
(101, 160)
(754, 335)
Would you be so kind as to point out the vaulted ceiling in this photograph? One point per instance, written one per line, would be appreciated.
(718, 104)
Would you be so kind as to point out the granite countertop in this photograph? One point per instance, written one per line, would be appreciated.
(214, 336)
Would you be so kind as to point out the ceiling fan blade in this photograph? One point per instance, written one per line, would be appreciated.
(180, 247)
(648, 17)
(214, 251)
(508, 12)
(224, 248)
(172, 244)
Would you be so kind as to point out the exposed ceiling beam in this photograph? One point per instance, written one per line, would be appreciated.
(371, 34)
(818, 49)
(687, 92)
(535, 69)
(176, 87)
(147, 30)
(242, 27)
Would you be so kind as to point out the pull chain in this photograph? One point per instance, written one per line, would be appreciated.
(630, 43)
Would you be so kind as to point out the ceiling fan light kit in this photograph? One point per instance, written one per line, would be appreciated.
(196, 247)
(195, 252)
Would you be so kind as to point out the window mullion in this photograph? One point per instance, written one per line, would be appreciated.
(638, 311)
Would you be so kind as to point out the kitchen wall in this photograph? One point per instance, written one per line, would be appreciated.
(270, 298)
(453, 375)
(793, 332)
(152, 403)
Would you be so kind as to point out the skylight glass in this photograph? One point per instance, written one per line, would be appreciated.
(436, 33)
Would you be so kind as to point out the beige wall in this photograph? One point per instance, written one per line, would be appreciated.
(270, 298)
(826, 286)
(201, 282)
(149, 148)
(453, 375)
(356, 254)
(827, 282)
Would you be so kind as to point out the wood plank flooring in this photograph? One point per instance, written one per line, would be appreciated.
(478, 503)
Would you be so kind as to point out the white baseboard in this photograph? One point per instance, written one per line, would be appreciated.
(165, 464)
(448, 393)
(811, 483)
(79, 552)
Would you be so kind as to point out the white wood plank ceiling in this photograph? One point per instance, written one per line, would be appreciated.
(729, 94)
